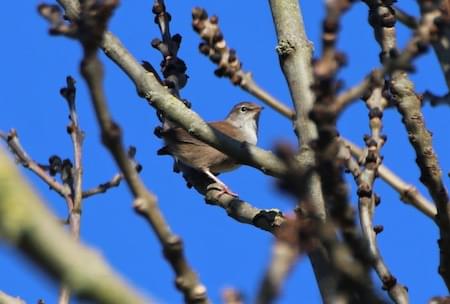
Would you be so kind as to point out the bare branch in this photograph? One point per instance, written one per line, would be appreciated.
(361, 89)
(40, 236)
(408, 193)
(409, 106)
(367, 199)
(296, 236)
(150, 88)
(102, 188)
(295, 53)
(92, 24)
(282, 261)
(7, 299)
(76, 173)
(405, 18)
(436, 100)
(439, 12)
(77, 136)
(12, 139)
(215, 47)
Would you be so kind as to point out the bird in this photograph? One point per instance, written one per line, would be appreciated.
(240, 124)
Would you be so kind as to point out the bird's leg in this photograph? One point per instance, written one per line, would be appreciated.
(225, 188)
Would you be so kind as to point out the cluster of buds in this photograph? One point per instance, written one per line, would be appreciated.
(215, 47)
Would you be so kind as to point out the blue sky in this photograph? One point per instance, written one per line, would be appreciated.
(224, 252)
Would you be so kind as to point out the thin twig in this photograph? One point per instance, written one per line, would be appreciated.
(344, 99)
(215, 47)
(439, 11)
(12, 139)
(408, 193)
(294, 238)
(102, 188)
(436, 100)
(376, 103)
(405, 18)
(282, 260)
(76, 173)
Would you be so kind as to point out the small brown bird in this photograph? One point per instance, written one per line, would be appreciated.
(240, 124)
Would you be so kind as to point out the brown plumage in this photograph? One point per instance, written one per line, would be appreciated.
(240, 124)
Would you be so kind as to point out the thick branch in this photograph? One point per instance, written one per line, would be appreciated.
(172, 108)
(28, 225)
(295, 52)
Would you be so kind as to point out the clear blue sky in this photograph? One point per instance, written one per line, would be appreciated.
(224, 252)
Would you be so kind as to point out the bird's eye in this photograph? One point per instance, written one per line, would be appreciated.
(244, 109)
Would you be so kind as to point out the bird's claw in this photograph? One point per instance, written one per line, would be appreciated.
(227, 191)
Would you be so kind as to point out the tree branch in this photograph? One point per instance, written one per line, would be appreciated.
(215, 47)
(439, 12)
(295, 53)
(409, 106)
(91, 26)
(30, 227)
(102, 188)
(367, 199)
(172, 108)
(12, 140)
(7, 299)
(408, 193)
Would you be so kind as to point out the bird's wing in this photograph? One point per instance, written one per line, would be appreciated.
(180, 135)
(233, 132)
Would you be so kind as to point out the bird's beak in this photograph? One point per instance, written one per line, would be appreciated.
(258, 112)
(259, 109)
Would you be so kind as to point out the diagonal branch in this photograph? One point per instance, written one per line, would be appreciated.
(173, 69)
(12, 140)
(215, 47)
(102, 188)
(30, 227)
(405, 18)
(172, 108)
(91, 26)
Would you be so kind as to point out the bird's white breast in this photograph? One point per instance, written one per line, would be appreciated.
(249, 131)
